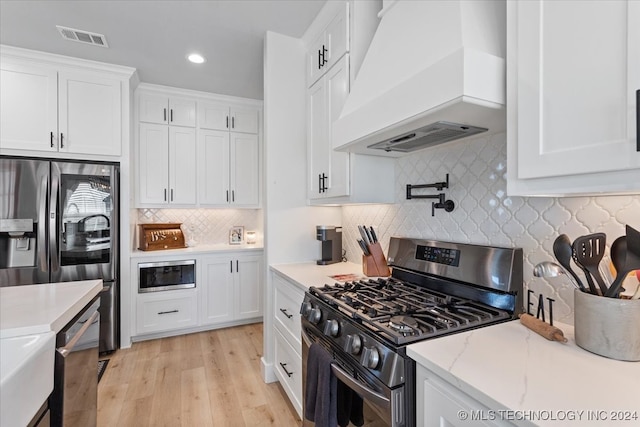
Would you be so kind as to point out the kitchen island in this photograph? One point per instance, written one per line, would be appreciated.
(30, 318)
(508, 375)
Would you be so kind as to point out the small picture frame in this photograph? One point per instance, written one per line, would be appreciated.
(236, 235)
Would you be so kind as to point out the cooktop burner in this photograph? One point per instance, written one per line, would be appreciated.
(404, 312)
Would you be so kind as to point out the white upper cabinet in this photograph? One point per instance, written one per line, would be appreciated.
(329, 46)
(213, 167)
(572, 104)
(245, 170)
(162, 109)
(167, 165)
(46, 110)
(221, 116)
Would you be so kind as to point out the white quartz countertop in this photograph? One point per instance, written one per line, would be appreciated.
(509, 367)
(197, 250)
(36, 309)
(309, 274)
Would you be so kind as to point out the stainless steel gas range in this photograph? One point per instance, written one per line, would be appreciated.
(436, 288)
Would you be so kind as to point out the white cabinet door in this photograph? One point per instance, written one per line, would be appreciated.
(317, 139)
(182, 112)
(89, 114)
(182, 165)
(244, 120)
(166, 311)
(153, 108)
(213, 167)
(337, 82)
(213, 115)
(328, 170)
(248, 287)
(245, 169)
(576, 87)
(28, 107)
(153, 171)
(316, 59)
(218, 291)
(337, 36)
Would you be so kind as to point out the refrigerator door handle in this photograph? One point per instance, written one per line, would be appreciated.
(42, 219)
(54, 251)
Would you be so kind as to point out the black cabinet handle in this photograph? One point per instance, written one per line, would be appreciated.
(168, 312)
(171, 115)
(324, 52)
(164, 115)
(172, 194)
(285, 369)
(227, 196)
(284, 311)
(227, 122)
(51, 139)
(61, 140)
(231, 266)
(319, 183)
(233, 195)
(233, 122)
(237, 267)
(165, 194)
(638, 120)
(319, 59)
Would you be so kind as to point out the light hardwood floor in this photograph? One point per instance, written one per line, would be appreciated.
(206, 379)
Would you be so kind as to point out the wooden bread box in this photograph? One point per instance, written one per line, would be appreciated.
(154, 237)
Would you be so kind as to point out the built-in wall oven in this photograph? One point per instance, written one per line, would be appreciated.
(436, 289)
(166, 275)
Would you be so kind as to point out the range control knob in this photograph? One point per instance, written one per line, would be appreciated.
(331, 328)
(305, 308)
(353, 344)
(370, 357)
(314, 315)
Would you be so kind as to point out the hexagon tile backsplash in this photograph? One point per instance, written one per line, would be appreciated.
(484, 214)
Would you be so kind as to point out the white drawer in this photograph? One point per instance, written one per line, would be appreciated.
(288, 364)
(164, 311)
(287, 301)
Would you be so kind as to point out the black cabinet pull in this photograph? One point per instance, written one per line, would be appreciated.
(51, 139)
(168, 312)
(233, 195)
(319, 59)
(285, 369)
(231, 266)
(164, 115)
(233, 122)
(237, 268)
(172, 194)
(227, 122)
(324, 52)
(165, 194)
(319, 183)
(171, 115)
(638, 120)
(227, 196)
(284, 311)
(61, 140)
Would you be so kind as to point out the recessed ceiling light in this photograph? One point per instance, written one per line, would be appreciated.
(196, 58)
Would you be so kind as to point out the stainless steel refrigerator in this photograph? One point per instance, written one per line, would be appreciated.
(59, 222)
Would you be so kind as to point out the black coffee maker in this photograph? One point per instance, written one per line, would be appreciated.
(331, 238)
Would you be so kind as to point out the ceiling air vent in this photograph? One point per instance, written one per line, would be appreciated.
(82, 36)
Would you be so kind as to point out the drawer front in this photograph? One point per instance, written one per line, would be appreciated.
(172, 312)
(287, 301)
(288, 366)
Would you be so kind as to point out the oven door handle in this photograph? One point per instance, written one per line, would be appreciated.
(364, 392)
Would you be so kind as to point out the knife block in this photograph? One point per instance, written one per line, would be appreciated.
(375, 265)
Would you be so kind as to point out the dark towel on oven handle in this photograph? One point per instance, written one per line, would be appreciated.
(349, 406)
(321, 389)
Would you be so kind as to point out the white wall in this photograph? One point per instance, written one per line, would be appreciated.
(289, 223)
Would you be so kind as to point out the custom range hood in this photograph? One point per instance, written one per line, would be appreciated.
(434, 72)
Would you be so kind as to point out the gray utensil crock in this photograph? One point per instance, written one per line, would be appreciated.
(609, 327)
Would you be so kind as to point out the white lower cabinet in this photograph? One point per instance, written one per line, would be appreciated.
(439, 403)
(287, 299)
(169, 310)
(231, 288)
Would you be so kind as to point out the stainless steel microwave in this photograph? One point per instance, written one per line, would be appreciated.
(166, 276)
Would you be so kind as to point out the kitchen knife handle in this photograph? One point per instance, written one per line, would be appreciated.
(638, 120)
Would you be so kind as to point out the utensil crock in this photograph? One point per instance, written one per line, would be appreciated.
(609, 327)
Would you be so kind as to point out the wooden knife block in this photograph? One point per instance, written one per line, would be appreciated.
(375, 265)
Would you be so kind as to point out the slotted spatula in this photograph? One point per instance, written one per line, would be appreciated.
(588, 252)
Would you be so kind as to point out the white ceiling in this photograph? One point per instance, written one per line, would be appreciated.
(155, 36)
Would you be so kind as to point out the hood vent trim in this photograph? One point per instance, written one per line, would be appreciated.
(428, 136)
(82, 36)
